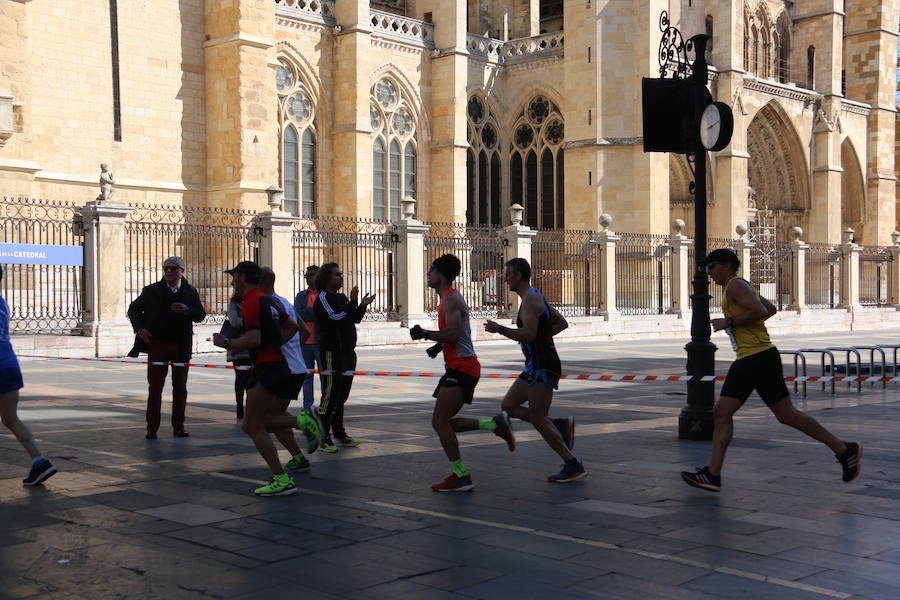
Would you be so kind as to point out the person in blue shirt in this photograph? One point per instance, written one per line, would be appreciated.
(10, 384)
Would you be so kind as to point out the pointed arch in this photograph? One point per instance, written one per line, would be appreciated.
(852, 189)
(537, 88)
(407, 91)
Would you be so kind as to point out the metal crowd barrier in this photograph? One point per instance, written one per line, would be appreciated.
(848, 351)
(872, 350)
(799, 358)
(823, 352)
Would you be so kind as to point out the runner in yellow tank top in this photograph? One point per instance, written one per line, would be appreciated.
(758, 367)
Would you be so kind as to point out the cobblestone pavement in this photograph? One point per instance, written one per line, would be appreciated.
(174, 518)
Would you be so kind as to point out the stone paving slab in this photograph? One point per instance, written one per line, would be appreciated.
(175, 518)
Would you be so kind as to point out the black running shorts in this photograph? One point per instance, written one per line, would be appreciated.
(762, 372)
(465, 382)
(296, 386)
(274, 376)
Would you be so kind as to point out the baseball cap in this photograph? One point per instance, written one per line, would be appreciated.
(723, 256)
(247, 267)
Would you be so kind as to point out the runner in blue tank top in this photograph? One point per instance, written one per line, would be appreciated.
(10, 384)
(537, 323)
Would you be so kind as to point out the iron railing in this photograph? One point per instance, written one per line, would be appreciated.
(643, 264)
(770, 271)
(823, 276)
(41, 298)
(715, 291)
(874, 268)
(209, 240)
(365, 250)
(480, 251)
(566, 267)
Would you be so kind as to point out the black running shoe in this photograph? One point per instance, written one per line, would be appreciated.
(566, 429)
(504, 430)
(39, 474)
(703, 479)
(569, 472)
(850, 460)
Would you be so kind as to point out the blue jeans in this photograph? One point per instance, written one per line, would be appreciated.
(313, 360)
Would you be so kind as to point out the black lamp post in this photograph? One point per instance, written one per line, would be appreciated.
(673, 108)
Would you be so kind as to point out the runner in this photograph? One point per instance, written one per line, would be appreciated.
(537, 323)
(457, 386)
(266, 328)
(10, 384)
(758, 367)
(336, 319)
(297, 366)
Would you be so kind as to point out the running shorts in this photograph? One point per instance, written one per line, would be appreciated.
(548, 378)
(465, 382)
(274, 376)
(762, 372)
(296, 386)
(11, 379)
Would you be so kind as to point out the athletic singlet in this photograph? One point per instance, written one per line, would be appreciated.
(540, 355)
(460, 355)
(748, 339)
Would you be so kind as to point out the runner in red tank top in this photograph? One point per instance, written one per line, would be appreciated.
(457, 386)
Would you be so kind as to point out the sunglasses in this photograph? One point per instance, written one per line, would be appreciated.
(168, 268)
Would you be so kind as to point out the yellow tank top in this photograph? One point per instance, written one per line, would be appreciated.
(748, 339)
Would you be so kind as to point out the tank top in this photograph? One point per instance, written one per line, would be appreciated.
(541, 355)
(748, 339)
(460, 355)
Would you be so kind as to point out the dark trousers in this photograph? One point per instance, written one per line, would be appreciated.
(156, 377)
(240, 381)
(335, 390)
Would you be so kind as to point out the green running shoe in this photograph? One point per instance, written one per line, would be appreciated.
(348, 441)
(308, 423)
(281, 485)
(297, 464)
(329, 447)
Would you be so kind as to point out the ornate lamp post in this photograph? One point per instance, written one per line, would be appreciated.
(680, 116)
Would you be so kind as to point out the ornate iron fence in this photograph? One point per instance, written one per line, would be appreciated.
(41, 298)
(642, 274)
(566, 267)
(480, 250)
(209, 240)
(715, 302)
(823, 276)
(365, 250)
(874, 266)
(770, 271)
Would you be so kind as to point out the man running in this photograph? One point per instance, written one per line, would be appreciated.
(758, 367)
(537, 323)
(266, 328)
(457, 386)
(297, 366)
(10, 384)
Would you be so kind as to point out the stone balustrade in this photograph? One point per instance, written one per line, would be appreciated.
(494, 50)
(319, 10)
(402, 28)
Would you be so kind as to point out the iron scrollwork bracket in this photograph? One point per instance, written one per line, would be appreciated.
(673, 50)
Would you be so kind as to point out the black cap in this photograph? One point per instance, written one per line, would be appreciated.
(723, 256)
(248, 268)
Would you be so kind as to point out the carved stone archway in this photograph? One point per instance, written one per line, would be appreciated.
(852, 191)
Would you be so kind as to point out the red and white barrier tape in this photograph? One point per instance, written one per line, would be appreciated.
(574, 377)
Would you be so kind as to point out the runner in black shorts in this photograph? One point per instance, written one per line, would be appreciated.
(758, 367)
(457, 386)
(537, 323)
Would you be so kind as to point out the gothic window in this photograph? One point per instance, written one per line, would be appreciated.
(767, 45)
(297, 116)
(393, 150)
(537, 165)
(482, 165)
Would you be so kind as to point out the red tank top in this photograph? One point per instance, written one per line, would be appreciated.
(460, 355)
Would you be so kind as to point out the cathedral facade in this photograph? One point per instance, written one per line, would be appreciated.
(465, 106)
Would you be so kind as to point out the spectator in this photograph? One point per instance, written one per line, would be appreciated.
(304, 306)
(233, 327)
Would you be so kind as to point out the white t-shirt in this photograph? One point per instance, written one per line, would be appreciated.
(291, 349)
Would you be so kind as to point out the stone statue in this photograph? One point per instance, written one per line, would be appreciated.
(106, 184)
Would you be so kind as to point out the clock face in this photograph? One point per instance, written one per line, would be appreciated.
(710, 126)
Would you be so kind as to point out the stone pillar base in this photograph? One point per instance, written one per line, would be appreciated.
(111, 337)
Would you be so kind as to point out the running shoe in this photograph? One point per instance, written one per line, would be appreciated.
(297, 464)
(566, 427)
(703, 479)
(569, 472)
(328, 446)
(850, 460)
(454, 483)
(280, 485)
(308, 422)
(348, 441)
(39, 474)
(504, 430)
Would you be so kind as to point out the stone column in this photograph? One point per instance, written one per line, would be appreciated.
(518, 245)
(849, 271)
(410, 269)
(105, 310)
(276, 248)
(606, 245)
(797, 293)
(449, 76)
(680, 278)
(742, 249)
(894, 275)
(825, 216)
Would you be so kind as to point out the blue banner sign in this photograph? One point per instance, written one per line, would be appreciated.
(37, 254)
